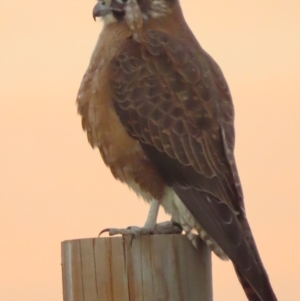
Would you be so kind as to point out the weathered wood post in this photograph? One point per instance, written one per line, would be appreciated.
(152, 268)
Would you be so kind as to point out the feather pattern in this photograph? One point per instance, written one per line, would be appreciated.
(178, 106)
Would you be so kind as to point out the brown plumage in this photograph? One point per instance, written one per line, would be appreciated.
(159, 109)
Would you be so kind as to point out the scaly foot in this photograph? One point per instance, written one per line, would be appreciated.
(161, 228)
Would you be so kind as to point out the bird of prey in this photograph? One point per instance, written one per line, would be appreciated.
(158, 108)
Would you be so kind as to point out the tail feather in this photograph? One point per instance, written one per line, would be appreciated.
(233, 234)
(267, 295)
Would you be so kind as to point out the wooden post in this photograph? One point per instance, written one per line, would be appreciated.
(152, 268)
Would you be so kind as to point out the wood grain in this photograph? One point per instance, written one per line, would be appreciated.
(152, 268)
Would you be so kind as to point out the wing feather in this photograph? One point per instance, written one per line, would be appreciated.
(175, 101)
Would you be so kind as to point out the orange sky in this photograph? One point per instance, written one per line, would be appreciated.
(55, 187)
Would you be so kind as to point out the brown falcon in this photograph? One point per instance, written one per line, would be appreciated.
(159, 109)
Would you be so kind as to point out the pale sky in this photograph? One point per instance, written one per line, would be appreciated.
(54, 187)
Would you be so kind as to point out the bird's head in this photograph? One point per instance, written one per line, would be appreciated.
(115, 10)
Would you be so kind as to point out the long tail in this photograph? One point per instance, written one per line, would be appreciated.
(233, 235)
(268, 293)
(250, 292)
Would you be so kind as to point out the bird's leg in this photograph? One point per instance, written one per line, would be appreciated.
(168, 227)
(150, 227)
(152, 215)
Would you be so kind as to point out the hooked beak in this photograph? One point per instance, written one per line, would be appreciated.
(101, 9)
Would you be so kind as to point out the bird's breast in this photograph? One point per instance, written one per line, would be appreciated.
(120, 152)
